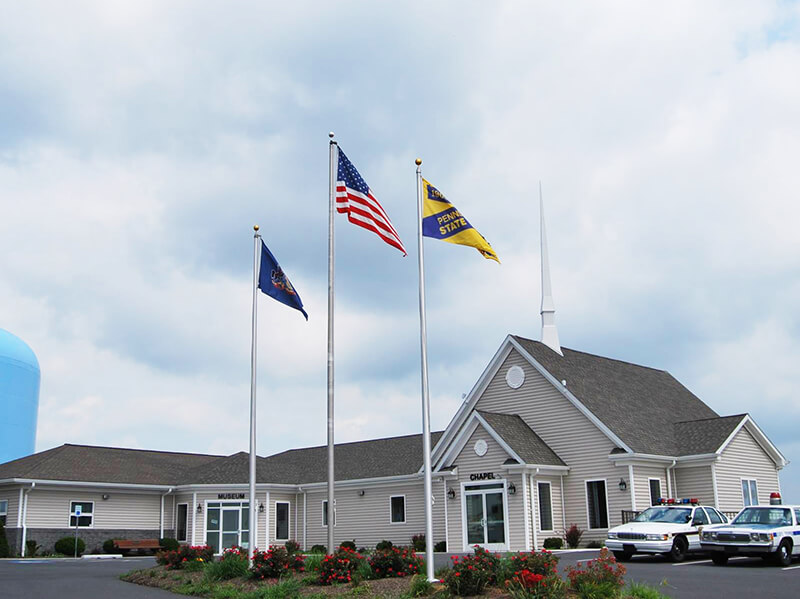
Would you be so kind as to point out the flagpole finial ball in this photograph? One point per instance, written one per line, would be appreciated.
(418, 161)
(255, 227)
(330, 134)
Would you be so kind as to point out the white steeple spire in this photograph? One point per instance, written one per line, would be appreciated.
(549, 331)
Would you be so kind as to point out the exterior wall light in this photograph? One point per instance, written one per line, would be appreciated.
(622, 484)
(451, 494)
(361, 493)
(105, 496)
(511, 489)
(199, 508)
(260, 508)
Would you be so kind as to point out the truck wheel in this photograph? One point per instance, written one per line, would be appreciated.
(719, 559)
(623, 556)
(783, 556)
(679, 549)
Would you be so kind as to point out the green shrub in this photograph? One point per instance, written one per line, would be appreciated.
(109, 546)
(66, 546)
(319, 549)
(420, 586)
(553, 543)
(383, 545)
(178, 559)
(394, 563)
(468, 576)
(169, 544)
(312, 562)
(292, 547)
(195, 565)
(598, 578)
(534, 575)
(31, 548)
(5, 550)
(440, 547)
(275, 562)
(339, 567)
(573, 536)
(539, 562)
(635, 590)
(232, 564)
(348, 545)
(287, 589)
(418, 542)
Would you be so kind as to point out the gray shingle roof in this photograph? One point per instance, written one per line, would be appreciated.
(640, 405)
(522, 439)
(104, 464)
(705, 436)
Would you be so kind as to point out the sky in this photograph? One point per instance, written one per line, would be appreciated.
(141, 141)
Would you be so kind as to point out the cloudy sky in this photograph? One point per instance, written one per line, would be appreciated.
(140, 142)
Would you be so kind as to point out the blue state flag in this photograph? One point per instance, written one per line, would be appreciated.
(273, 281)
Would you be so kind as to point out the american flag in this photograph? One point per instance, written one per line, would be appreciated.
(354, 198)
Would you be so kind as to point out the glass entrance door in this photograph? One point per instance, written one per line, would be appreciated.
(230, 526)
(484, 516)
(227, 524)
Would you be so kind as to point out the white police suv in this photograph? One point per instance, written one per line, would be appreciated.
(769, 531)
(672, 527)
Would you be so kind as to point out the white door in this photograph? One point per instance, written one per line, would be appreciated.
(484, 516)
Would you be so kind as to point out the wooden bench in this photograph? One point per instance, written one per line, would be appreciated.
(125, 545)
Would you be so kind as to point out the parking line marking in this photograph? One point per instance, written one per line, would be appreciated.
(790, 568)
(706, 561)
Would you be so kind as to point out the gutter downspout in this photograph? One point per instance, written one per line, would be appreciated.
(446, 523)
(25, 518)
(194, 517)
(669, 480)
(161, 516)
(305, 518)
(633, 487)
(563, 509)
(533, 511)
(714, 484)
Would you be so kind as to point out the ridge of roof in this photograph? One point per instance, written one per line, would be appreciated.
(739, 416)
(158, 451)
(350, 443)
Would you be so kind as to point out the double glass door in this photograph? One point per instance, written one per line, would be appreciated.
(227, 525)
(485, 515)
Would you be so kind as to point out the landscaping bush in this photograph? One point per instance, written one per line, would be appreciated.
(383, 545)
(394, 563)
(109, 546)
(31, 548)
(420, 586)
(535, 576)
(292, 547)
(418, 542)
(66, 546)
(469, 575)
(348, 545)
(339, 566)
(539, 562)
(5, 550)
(573, 536)
(553, 543)
(319, 549)
(168, 544)
(594, 545)
(176, 560)
(276, 561)
(440, 547)
(599, 578)
(232, 564)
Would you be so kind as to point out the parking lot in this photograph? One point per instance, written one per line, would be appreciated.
(696, 578)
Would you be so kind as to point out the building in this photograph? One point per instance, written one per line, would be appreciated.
(544, 440)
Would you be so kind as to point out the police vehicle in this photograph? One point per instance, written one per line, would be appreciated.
(769, 531)
(671, 527)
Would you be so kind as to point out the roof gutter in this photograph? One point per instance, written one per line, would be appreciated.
(81, 483)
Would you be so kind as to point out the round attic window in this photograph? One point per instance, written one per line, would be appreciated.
(481, 447)
(515, 377)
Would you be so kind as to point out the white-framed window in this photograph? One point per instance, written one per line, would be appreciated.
(325, 513)
(86, 519)
(655, 490)
(282, 520)
(749, 491)
(3, 511)
(397, 509)
(597, 503)
(181, 526)
(545, 506)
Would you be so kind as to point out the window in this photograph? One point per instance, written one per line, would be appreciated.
(397, 507)
(797, 515)
(227, 525)
(181, 525)
(545, 507)
(86, 509)
(700, 517)
(655, 491)
(281, 521)
(3, 511)
(597, 503)
(714, 516)
(325, 513)
(749, 492)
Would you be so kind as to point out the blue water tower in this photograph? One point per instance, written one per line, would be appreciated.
(19, 397)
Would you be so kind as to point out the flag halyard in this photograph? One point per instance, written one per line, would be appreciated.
(354, 198)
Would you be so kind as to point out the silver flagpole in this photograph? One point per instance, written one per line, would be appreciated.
(426, 403)
(331, 247)
(253, 525)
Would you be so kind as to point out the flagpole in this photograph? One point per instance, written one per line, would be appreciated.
(253, 525)
(426, 404)
(331, 248)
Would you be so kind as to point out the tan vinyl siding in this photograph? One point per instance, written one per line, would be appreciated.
(642, 476)
(694, 483)
(555, 501)
(576, 440)
(11, 494)
(51, 509)
(280, 497)
(744, 458)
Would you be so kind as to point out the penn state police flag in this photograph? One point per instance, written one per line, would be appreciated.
(442, 220)
(273, 281)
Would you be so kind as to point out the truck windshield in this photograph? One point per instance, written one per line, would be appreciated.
(772, 516)
(674, 515)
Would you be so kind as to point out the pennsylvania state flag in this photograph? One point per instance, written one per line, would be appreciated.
(442, 220)
(273, 281)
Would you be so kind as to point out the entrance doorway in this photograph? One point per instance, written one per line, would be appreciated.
(484, 516)
(227, 525)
